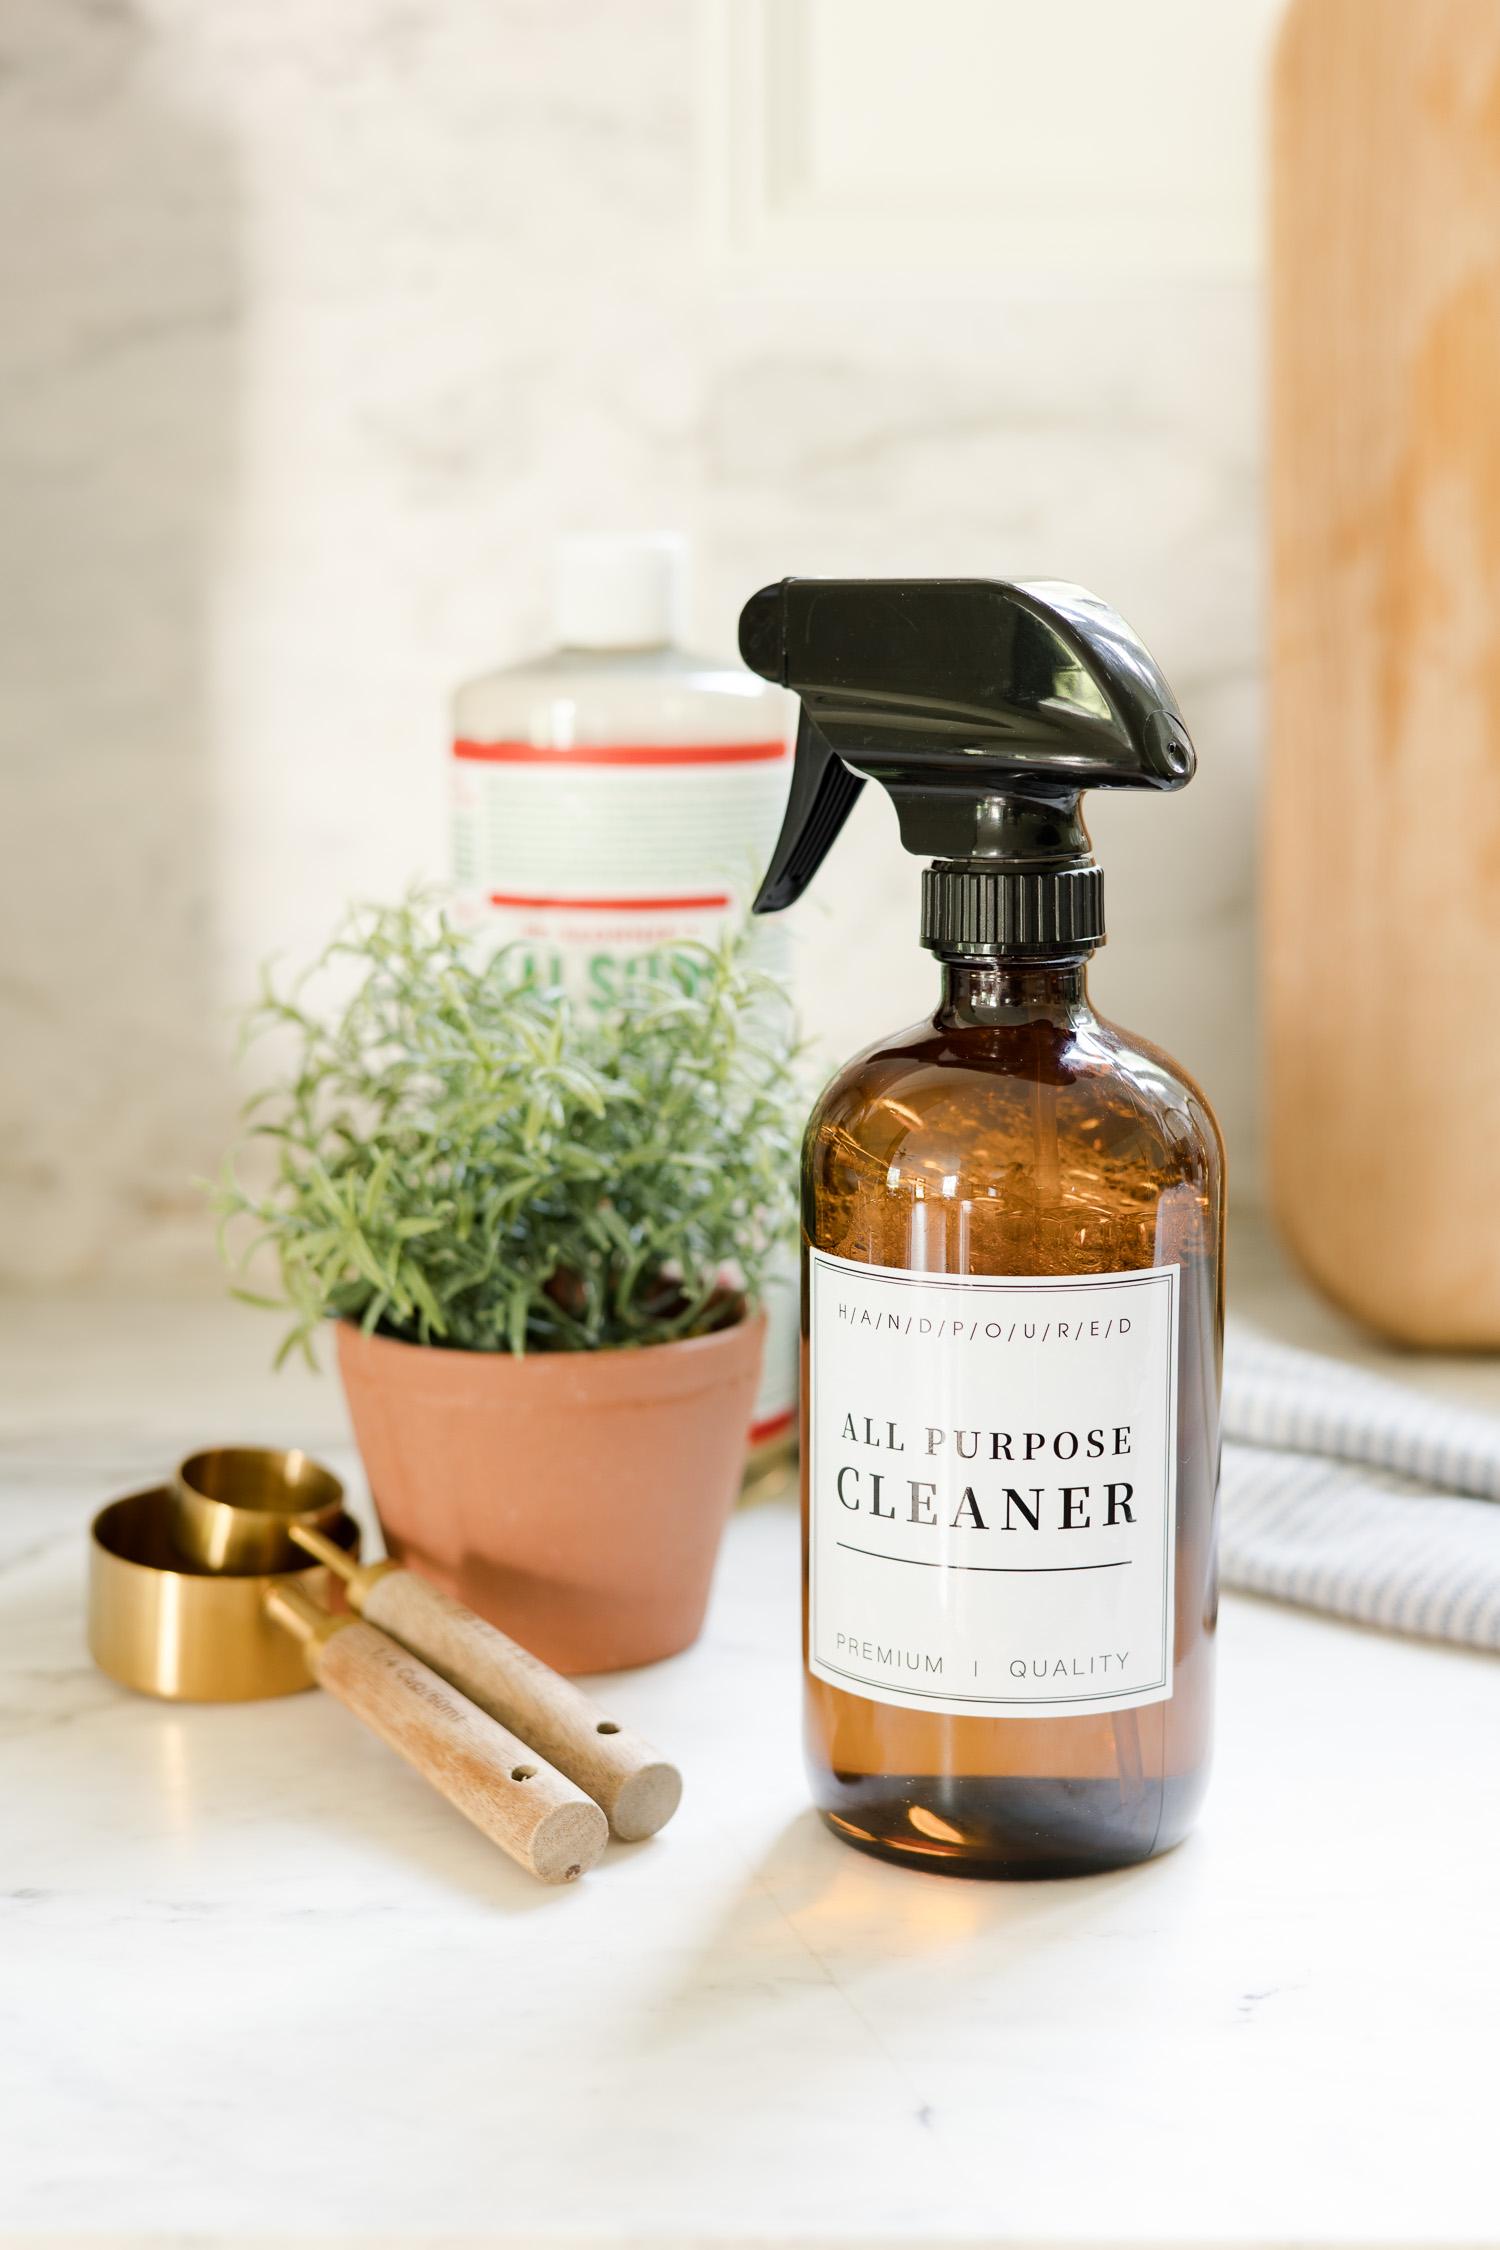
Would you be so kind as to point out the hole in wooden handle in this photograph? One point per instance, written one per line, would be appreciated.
(606, 1726)
(523, 1773)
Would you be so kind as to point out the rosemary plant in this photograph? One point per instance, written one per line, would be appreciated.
(466, 1156)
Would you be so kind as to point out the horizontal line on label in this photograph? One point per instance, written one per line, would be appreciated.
(621, 753)
(991, 1569)
(710, 900)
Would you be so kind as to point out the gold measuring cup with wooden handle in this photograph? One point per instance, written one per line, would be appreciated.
(169, 1625)
(234, 1506)
(637, 1788)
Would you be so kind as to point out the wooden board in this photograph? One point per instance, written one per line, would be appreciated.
(1382, 891)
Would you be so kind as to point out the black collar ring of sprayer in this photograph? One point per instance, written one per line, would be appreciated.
(973, 912)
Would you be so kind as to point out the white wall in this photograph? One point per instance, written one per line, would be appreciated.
(326, 314)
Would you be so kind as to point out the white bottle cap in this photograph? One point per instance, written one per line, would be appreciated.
(619, 589)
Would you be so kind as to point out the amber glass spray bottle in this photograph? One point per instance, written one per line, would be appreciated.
(1012, 1227)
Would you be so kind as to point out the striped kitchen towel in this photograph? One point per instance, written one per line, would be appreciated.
(1346, 1492)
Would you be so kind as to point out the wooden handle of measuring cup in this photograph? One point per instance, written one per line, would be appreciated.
(637, 1788)
(532, 1812)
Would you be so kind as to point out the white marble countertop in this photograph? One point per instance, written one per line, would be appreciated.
(258, 1984)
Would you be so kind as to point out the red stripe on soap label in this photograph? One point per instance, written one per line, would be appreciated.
(622, 754)
(617, 905)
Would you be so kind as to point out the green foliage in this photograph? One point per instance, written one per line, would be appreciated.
(466, 1156)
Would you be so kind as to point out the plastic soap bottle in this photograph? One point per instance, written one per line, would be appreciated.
(1012, 1218)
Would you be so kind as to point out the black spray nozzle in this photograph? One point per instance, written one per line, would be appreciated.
(984, 707)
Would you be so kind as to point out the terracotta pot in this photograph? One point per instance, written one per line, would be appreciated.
(575, 1499)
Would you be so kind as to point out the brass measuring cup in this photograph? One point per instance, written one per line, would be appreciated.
(166, 1625)
(234, 1506)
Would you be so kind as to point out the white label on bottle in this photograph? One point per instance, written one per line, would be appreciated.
(630, 854)
(993, 1488)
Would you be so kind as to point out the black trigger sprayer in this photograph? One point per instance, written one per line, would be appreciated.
(985, 709)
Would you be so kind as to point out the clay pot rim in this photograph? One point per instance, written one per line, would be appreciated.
(611, 1352)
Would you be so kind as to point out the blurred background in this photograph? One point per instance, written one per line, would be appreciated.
(323, 319)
